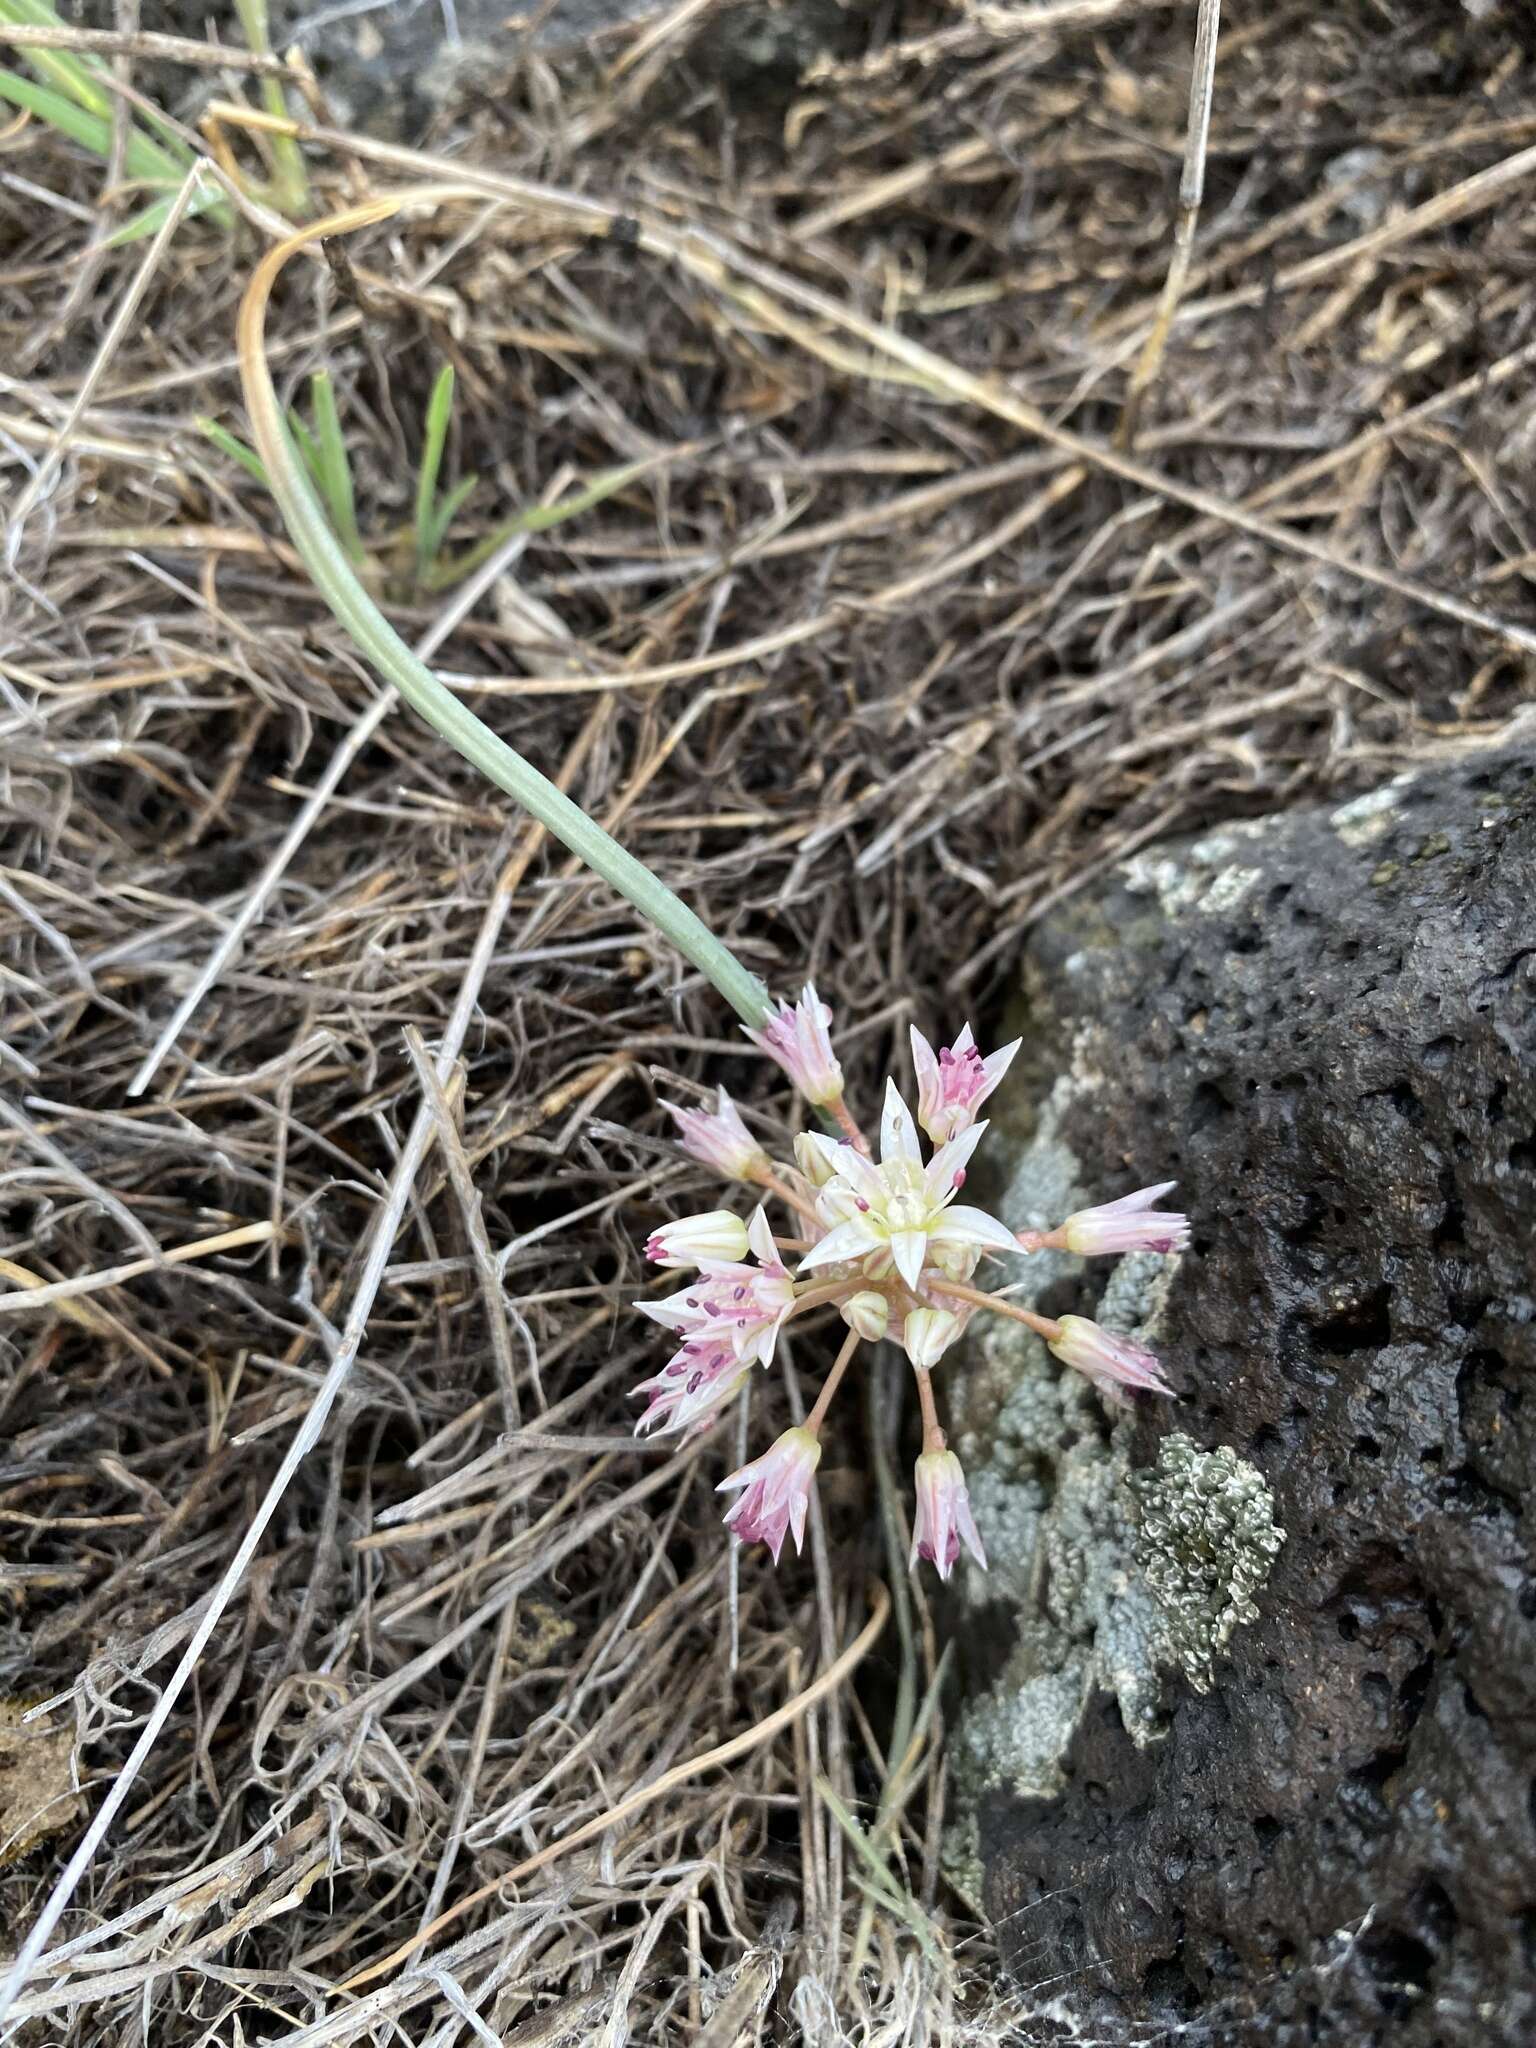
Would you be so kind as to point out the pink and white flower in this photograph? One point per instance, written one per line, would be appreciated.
(900, 1208)
(719, 1139)
(943, 1519)
(775, 1492)
(691, 1386)
(742, 1307)
(1130, 1225)
(953, 1083)
(1108, 1359)
(796, 1035)
(887, 1248)
(710, 1239)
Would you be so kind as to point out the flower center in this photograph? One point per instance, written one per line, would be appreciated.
(906, 1212)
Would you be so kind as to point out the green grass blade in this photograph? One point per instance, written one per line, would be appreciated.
(311, 455)
(62, 69)
(147, 163)
(539, 518)
(907, 1910)
(76, 76)
(448, 508)
(291, 180)
(429, 528)
(92, 130)
(378, 641)
(149, 222)
(334, 472)
(230, 444)
(534, 519)
(880, 1885)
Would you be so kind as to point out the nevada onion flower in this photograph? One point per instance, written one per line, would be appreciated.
(883, 1243)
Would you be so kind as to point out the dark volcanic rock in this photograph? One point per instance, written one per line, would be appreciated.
(1325, 1026)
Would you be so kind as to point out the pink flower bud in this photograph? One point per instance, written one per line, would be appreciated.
(954, 1083)
(715, 1238)
(796, 1036)
(776, 1492)
(943, 1518)
(719, 1139)
(1129, 1225)
(1109, 1360)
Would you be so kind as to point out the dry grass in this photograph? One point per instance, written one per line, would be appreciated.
(890, 649)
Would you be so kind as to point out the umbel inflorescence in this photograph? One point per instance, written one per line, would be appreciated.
(888, 1246)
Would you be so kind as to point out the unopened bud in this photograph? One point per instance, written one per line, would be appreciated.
(927, 1334)
(812, 1161)
(869, 1313)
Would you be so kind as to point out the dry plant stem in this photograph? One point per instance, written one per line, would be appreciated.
(450, 1148)
(730, 270)
(386, 1224)
(146, 43)
(458, 725)
(824, 1399)
(57, 1291)
(644, 1795)
(1191, 191)
(43, 1147)
(47, 469)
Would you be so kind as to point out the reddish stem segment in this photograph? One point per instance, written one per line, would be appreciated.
(1043, 1240)
(1043, 1326)
(774, 1186)
(849, 1128)
(934, 1438)
(818, 1414)
(817, 1297)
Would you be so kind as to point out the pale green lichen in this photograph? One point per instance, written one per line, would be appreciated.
(1369, 817)
(1205, 1544)
(1048, 1488)
(1054, 1496)
(1206, 876)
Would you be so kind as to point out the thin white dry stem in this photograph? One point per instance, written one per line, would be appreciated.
(450, 1146)
(42, 1145)
(197, 175)
(1191, 190)
(635, 1802)
(146, 43)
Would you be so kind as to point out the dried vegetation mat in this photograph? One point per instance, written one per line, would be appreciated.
(320, 1067)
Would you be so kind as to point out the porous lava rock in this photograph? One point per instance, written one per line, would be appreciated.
(1325, 1025)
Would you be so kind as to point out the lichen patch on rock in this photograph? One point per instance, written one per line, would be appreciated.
(1205, 1542)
